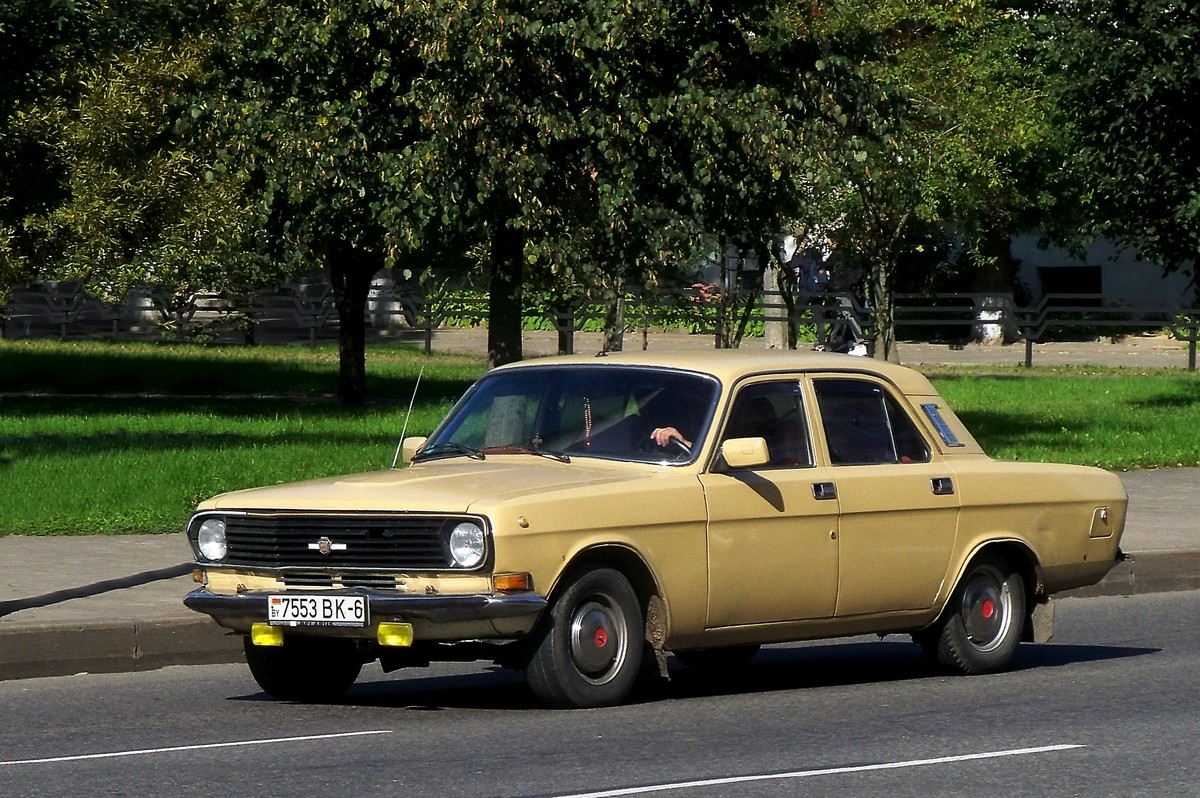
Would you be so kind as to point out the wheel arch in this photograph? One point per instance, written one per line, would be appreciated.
(618, 557)
(650, 596)
(1019, 556)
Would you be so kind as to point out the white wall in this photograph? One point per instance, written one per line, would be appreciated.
(1122, 274)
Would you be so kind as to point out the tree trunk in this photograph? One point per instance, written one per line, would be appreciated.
(996, 276)
(563, 313)
(776, 310)
(883, 312)
(505, 296)
(614, 318)
(350, 272)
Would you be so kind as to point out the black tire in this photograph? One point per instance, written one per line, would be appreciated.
(981, 627)
(589, 647)
(717, 660)
(306, 669)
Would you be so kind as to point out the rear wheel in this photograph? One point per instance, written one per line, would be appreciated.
(589, 648)
(305, 668)
(982, 625)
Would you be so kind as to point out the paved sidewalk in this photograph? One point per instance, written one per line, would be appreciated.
(1132, 351)
(107, 604)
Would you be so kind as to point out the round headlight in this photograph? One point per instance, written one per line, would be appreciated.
(210, 539)
(467, 545)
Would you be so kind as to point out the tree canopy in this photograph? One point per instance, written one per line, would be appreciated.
(1132, 70)
(576, 146)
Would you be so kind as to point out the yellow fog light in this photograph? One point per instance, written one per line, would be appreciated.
(263, 634)
(512, 583)
(397, 635)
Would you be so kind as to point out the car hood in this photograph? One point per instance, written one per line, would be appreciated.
(452, 486)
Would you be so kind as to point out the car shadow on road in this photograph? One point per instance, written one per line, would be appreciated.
(876, 662)
(775, 668)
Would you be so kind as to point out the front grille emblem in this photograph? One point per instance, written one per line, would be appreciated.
(325, 546)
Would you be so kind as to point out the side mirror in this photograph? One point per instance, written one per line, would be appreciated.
(745, 452)
(409, 447)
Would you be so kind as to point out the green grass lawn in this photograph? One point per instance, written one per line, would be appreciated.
(113, 439)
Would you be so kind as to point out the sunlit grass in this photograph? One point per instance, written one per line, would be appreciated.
(107, 439)
(1113, 418)
(111, 439)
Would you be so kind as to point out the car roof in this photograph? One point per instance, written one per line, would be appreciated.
(729, 365)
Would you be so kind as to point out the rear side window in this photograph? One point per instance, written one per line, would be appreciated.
(864, 425)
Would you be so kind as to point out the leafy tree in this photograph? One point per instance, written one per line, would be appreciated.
(567, 144)
(1133, 70)
(593, 143)
(957, 131)
(32, 34)
(132, 204)
(305, 106)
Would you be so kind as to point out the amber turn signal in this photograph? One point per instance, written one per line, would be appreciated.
(512, 583)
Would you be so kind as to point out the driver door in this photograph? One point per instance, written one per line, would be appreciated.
(772, 532)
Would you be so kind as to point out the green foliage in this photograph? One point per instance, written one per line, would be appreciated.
(948, 124)
(615, 137)
(1131, 74)
(579, 151)
(304, 104)
(134, 203)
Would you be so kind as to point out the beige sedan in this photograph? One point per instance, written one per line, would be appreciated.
(580, 518)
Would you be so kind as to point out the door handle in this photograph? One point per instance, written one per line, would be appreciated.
(823, 491)
(942, 486)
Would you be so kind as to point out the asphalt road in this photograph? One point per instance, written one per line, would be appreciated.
(1109, 708)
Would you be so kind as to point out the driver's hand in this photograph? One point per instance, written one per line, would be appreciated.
(663, 435)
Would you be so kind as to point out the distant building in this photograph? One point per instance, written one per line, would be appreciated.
(1116, 275)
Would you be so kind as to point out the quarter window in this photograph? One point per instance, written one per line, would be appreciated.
(863, 424)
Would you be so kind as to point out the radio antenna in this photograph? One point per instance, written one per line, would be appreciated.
(404, 429)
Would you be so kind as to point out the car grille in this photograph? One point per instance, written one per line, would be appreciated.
(384, 542)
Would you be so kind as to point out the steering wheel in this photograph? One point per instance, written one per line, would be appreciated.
(675, 443)
(674, 448)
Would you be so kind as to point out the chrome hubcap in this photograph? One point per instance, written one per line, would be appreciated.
(987, 611)
(599, 639)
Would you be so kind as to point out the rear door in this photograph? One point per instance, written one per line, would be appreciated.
(899, 505)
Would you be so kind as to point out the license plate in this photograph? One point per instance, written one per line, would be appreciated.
(316, 610)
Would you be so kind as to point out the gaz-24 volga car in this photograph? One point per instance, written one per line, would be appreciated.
(581, 518)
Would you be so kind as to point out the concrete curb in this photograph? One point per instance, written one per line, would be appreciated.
(1147, 572)
(63, 649)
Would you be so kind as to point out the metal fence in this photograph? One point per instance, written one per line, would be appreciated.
(307, 312)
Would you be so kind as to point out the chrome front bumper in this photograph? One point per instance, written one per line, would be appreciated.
(437, 617)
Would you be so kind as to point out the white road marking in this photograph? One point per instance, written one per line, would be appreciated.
(801, 774)
(199, 747)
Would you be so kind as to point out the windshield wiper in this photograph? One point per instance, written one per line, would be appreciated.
(561, 457)
(449, 450)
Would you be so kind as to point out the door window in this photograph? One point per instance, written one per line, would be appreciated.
(863, 424)
(773, 411)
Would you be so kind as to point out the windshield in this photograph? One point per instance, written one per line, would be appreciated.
(585, 411)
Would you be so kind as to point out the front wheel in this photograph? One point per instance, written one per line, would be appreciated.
(589, 648)
(983, 623)
(305, 669)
